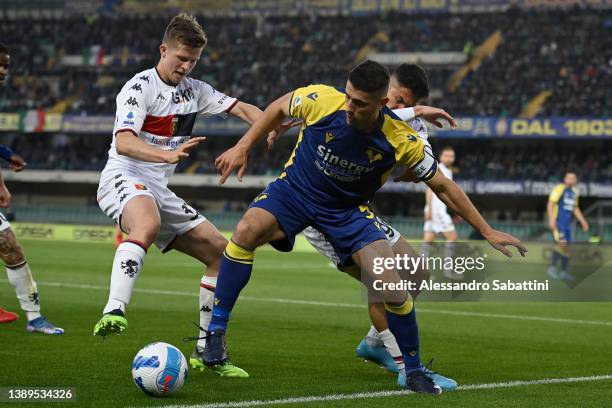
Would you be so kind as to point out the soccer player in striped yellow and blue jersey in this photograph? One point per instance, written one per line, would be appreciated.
(562, 208)
(348, 146)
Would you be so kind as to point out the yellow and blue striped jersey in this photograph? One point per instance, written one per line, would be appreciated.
(337, 165)
(565, 199)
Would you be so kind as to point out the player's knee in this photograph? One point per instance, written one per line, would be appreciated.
(214, 243)
(146, 231)
(10, 250)
(16, 257)
(245, 233)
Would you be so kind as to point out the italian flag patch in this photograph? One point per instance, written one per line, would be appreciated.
(140, 186)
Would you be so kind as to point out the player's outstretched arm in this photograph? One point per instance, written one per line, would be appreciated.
(131, 146)
(236, 157)
(430, 114)
(456, 199)
(246, 112)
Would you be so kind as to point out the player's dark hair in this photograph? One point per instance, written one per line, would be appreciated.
(369, 76)
(4, 49)
(413, 77)
(445, 148)
(185, 29)
(570, 171)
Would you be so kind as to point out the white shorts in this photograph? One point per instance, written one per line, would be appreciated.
(440, 222)
(4, 224)
(118, 186)
(321, 244)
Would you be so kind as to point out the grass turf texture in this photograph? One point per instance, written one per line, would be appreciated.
(290, 350)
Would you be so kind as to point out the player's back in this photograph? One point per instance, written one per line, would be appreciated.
(337, 165)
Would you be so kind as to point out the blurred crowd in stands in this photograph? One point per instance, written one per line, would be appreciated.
(476, 159)
(566, 52)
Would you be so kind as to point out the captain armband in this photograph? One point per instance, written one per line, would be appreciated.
(427, 167)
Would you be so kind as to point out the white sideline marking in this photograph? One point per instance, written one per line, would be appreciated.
(342, 305)
(383, 394)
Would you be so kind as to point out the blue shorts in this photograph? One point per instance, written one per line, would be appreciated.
(563, 233)
(347, 229)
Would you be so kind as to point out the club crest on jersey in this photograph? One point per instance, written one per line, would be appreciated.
(313, 96)
(374, 154)
(174, 125)
(329, 137)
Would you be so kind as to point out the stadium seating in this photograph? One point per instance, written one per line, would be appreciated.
(543, 55)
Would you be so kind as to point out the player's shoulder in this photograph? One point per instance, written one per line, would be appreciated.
(556, 192)
(145, 78)
(318, 95)
(394, 128)
(139, 84)
(198, 85)
(559, 188)
(315, 102)
(419, 126)
(320, 90)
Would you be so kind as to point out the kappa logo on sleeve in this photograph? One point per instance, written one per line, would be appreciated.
(131, 101)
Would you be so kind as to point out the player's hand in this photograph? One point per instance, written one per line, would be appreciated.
(585, 226)
(182, 152)
(552, 226)
(434, 115)
(279, 131)
(17, 163)
(407, 176)
(5, 197)
(499, 240)
(229, 161)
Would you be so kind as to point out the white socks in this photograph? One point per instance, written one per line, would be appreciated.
(20, 277)
(385, 338)
(127, 265)
(207, 299)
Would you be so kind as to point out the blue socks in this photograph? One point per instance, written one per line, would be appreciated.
(235, 271)
(403, 324)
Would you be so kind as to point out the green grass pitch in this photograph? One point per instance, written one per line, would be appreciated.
(297, 349)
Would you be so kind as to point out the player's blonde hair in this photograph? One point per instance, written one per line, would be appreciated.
(185, 29)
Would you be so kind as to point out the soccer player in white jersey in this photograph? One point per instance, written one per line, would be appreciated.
(437, 219)
(156, 111)
(408, 85)
(11, 252)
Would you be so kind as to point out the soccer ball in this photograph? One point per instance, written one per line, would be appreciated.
(159, 369)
